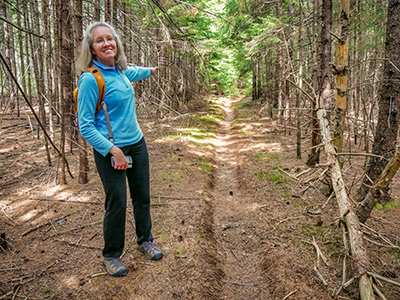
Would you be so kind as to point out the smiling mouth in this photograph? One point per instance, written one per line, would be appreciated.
(107, 51)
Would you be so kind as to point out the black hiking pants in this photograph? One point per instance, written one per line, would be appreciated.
(115, 189)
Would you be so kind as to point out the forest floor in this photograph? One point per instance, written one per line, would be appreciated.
(236, 214)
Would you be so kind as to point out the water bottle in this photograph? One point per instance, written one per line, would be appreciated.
(128, 159)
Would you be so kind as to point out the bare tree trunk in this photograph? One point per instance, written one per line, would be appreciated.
(66, 61)
(300, 82)
(29, 76)
(38, 70)
(77, 26)
(278, 75)
(48, 49)
(7, 46)
(358, 72)
(108, 11)
(313, 157)
(97, 10)
(325, 77)
(341, 70)
(21, 50)
(389, 100)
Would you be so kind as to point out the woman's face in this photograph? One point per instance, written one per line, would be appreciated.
(104, 45)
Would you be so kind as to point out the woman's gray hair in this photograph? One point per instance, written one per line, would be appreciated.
(85, 58)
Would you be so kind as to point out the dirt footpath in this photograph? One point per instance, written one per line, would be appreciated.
(236, 214)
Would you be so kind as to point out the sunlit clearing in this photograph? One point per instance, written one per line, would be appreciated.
(50, 191)
(263, 146)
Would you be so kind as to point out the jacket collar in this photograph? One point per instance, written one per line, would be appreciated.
(104, 67)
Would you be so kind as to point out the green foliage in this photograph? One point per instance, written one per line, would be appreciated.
(387, 206)
(274, 176)
(46, 290)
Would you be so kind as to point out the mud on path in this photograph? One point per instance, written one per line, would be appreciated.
(233, 209)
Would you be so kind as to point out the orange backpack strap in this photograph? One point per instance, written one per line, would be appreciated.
(100, 84)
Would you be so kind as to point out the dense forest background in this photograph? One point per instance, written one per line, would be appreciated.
(283, 53)
(325, 72)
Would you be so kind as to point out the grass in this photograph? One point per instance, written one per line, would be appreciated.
(179, 251)
(268, 156)
(208, 167)
(387, 206)
(46, 290)
(274, 176)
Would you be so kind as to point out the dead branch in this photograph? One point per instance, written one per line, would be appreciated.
(76, 244)
(347, 213)
(377, 276)
(379, 188)
(379, 292)
(320, 276)
(290, 294)
(319, 253)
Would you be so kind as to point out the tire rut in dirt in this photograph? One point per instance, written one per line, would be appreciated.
(237, 242)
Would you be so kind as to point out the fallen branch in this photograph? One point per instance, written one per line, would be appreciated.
(290, 294)
(377, 276)
(347, 214)
(319, 253)
(378, 292)
(76, 244)
(379, 188)
(320, 276)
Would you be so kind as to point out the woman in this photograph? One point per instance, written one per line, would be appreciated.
(102, 48)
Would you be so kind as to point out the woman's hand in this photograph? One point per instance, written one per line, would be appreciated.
(154, 71)
(120, 162)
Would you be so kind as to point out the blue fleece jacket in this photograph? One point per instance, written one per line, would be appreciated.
(120, 100)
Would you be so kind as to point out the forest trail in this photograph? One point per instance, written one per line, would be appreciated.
(233, 209)
(233, 231)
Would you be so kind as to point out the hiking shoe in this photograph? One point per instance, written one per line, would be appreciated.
(114, 266)
(150, 250)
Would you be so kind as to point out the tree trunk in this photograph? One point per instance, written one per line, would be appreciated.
(278, 75)
(77, 37)
(313, 156)
(66, 62)
(300, 82)
(7, 46)
(97, 10)
(29, 76)
(21, 40)
(48, 50)
(341, 71)
(389, 100)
